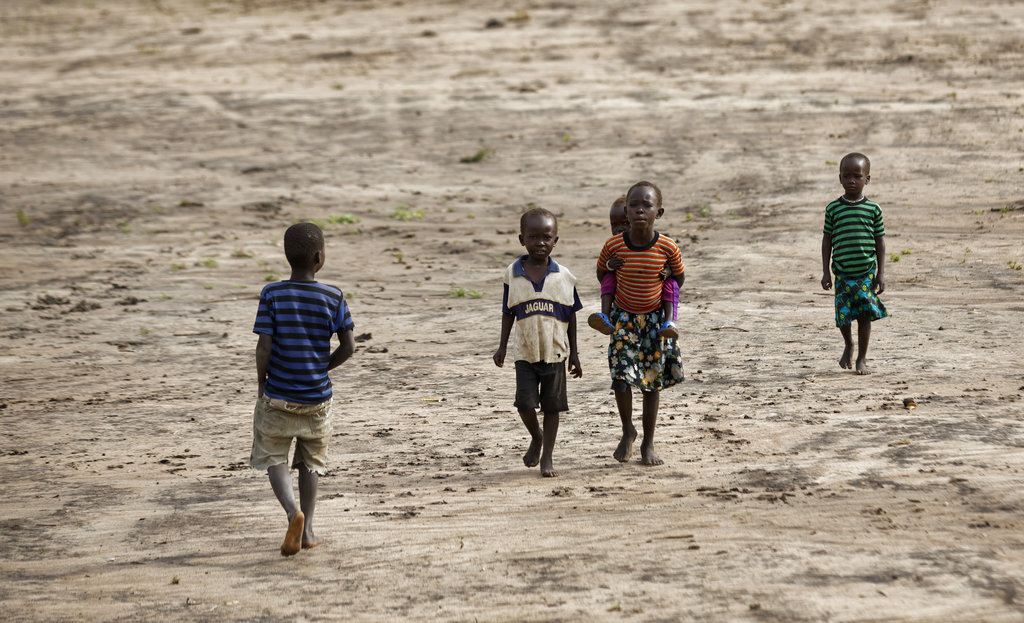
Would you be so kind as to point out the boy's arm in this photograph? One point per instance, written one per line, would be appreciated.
(826, 256)
(344, 349)
(880, 259)
(574, 355)
(263, 347)
(507, 320)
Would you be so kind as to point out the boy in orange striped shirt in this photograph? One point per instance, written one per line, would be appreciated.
(637, 355)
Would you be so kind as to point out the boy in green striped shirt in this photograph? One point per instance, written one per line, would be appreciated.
(854, 241)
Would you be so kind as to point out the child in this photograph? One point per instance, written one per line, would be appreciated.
(637, 355)
(669, 292)
(854, 239)
(295, 321)
(540, 299)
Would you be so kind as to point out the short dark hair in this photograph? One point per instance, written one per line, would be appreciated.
(621, 202)
(856, 156)
(301, 242)
(651, 185)
(533, 213)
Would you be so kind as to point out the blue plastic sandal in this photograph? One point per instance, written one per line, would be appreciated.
(669, 330)
(601, 323)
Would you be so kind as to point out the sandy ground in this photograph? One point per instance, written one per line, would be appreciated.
(154, 152)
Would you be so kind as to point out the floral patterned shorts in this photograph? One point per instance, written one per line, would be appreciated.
(638, 357)
(855, 298)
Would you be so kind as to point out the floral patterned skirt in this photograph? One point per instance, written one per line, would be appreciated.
(855, 297)
(638, 357)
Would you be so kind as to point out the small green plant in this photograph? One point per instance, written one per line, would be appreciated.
(241, 253)
(470, 215)
(175, 580)
(482, 154)
(832, 163)
(124, 227)
(461, 293)
(689, 216)
(705, 211)
(335, 219)
(176, 267)
(207, 263)
(271, 277)
(144, 331)
(894, 257)
(405, 213)
(208, 286)
(1015, 265)
(906, 252)
(23, 219)
(398, 257)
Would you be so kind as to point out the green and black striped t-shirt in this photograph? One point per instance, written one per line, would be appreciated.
(853, 227)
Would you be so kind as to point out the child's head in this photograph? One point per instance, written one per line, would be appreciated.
(643, 203)
(538, 232)
(617, 216)
(304, 246)
(854, 174)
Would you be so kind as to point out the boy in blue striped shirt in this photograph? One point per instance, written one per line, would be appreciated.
(295, 321)
(854, 239)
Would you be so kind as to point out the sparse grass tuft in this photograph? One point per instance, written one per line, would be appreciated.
(23, 219)
(482, 154)
(459, 292)
(405, 213)
(335, 219)
(207, 263)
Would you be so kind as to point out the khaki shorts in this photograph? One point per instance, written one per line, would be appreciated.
(276, 422)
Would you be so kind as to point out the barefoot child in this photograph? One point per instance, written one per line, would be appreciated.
(295, 321)
(540, 299)
(854, 239)
(637, 355)
(669, 291)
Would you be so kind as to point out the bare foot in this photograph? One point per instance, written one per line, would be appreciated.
(547, 470)
(648, 457)
(862, 367)
(625, 449)
(311, 542)
(844, 361)
(293, 538)
(532, 456)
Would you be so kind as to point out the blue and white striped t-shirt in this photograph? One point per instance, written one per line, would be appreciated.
(301, 316)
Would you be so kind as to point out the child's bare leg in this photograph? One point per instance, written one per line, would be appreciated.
(550, 432)
(846, 360)
(532, 456)
(650, 419)
(308, 480)
(863, 337)
(624, 401)
(281, 482)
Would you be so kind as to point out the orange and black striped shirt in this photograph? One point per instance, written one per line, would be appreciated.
(637, 284)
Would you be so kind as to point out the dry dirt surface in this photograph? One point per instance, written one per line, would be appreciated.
(153, 152)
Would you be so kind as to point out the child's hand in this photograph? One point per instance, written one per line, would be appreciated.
(574, 365)
(499, 357)
(665, 272)
(879, 284)
(615, 262)
(826, 282)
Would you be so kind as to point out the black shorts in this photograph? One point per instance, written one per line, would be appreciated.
(541, 385)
